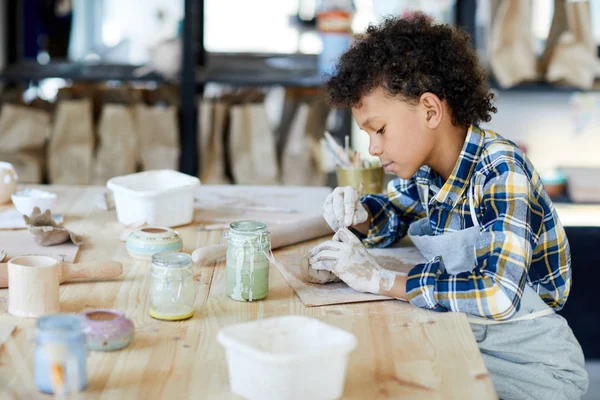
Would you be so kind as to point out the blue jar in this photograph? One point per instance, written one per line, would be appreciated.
(60, 354)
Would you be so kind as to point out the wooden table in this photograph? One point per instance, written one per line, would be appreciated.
(403, 352)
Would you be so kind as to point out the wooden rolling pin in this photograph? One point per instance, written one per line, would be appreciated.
(281, 235)
(90, 270)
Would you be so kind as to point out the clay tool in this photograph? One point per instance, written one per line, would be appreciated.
(86, 270)
(281, 235)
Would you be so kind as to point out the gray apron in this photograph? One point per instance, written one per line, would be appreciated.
(534, 354)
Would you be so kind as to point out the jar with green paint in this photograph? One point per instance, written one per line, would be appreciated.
(247, 264)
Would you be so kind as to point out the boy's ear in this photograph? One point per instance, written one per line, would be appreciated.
(432, 108)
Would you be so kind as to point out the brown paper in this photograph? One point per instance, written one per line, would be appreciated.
(159, 136)
(512, 48)
(252, 146)
(22, 127)
(300, 161)
(29, 165)
(117, 149)
(22, 243)
(400, 259)
(212, 127)
(23, 134)
(570, 53)
(71, 143)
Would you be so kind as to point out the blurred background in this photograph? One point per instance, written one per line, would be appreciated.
(231, 91)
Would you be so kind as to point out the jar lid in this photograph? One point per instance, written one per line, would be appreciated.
(60, 326)
(249, 233)
(249, 227)
(171, 259)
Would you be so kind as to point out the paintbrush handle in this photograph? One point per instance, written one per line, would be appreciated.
(89, 270)
(281, 235)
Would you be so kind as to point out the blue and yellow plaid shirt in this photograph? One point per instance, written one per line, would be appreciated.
(522, 240)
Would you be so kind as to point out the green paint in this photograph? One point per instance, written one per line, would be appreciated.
(247, 264)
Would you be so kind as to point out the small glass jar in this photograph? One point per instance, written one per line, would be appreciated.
(172, 290)
(60, 354)
(247, 264)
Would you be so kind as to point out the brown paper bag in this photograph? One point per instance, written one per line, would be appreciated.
(252, 145)
(511, 48)
(23, 134)
(159, 136)
(71, 143)
(213, 117)
(300, 159)
(302, 126)
(28, 164)
(570, 53)
(116, 152)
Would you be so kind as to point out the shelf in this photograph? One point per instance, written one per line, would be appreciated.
(261, 70)
(540, 86)
(28, 71)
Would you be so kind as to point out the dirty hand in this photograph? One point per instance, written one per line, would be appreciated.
(348, 258)
(343, 208)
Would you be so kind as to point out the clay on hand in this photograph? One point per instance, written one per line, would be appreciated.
(309, 274)
(47, 232)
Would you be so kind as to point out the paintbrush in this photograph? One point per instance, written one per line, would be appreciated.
(339, 150)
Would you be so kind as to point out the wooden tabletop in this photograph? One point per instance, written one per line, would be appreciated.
(403, 352)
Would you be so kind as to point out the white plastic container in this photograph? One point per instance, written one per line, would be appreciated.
(162, 197)
(289, 357)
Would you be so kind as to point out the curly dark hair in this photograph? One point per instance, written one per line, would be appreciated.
(411, 56)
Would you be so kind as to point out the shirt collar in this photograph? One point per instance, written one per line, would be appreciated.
(459, 179)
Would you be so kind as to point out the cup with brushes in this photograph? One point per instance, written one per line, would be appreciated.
(353, 168)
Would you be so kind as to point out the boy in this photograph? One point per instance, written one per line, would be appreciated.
(469, 199)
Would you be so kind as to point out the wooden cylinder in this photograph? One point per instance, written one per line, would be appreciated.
(33, 289)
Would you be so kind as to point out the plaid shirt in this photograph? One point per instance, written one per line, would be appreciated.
(522, 240)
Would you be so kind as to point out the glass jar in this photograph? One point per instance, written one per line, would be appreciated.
(60, 354)
(172, 291)
(247, 263)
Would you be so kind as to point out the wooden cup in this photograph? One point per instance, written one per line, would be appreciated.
(33, 289)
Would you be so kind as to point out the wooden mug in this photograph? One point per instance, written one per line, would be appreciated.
(33, 289)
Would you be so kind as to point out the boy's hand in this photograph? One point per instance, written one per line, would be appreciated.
(348, 258)
(343, 208)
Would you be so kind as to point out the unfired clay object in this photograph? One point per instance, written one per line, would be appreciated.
(316, 275)
(33, 289)
(47, 232)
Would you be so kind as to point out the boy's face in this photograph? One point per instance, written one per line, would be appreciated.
(397, 132)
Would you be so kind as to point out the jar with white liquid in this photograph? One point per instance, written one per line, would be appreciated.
(172, 290)
(247, 265)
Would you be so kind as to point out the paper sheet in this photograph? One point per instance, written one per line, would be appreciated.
(12, 219)
(21, 243)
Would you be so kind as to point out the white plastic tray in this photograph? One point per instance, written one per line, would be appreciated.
(289, 357)
(161, 197)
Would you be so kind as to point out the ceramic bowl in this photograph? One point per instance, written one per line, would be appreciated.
(27, 199)
(143, 243)
(107, 330)
(8, 181)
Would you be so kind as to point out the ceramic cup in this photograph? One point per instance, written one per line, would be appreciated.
(8, 181)
(143, 243)
(107, 330)
(33, 289)
(371, 178)
(26, 200)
